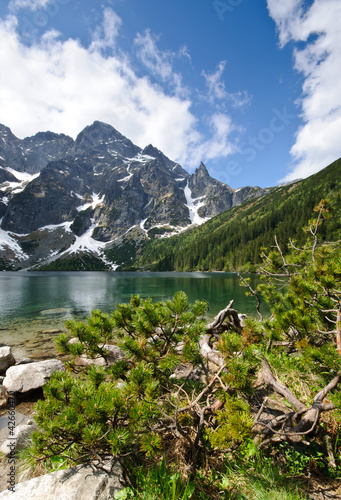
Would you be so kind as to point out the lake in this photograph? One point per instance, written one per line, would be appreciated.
(35, 305)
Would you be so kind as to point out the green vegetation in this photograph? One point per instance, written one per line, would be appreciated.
(79, 262)
(233, 240)
(5, 266)
(158, 231)
(124, 252)
(230, 410)
(29, 246)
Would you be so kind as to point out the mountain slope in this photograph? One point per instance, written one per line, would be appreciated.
(63, 199)
(233, 240)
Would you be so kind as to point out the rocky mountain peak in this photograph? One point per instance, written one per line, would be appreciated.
(88, 194)
(201, 180)
(5, 131)
(32, 154)
(104, 137)
(10, 149)
(151, 150)
(202, 171)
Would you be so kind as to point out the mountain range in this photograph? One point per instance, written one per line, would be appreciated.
(96, 202)
(236, 239)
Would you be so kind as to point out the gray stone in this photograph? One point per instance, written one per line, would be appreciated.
(6, 358)
(77, 483)
(24, 361)
(24, 378)
(114, 355)
(3, 396)
(18, 440)
(18, 419)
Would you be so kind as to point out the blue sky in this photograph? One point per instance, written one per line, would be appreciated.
(249, 87)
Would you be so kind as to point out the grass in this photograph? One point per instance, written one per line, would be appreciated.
(249, 477)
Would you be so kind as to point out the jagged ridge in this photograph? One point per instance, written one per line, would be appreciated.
(61, 198)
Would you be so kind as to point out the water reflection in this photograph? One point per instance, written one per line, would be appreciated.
(33, 303)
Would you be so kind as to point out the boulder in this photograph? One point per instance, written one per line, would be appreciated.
(76, 483)
(114, 355)
(6, 424)
(25, 378)
(3, 396)
(18, 440)
(6, 358)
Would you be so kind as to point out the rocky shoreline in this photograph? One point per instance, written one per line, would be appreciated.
(20, 387)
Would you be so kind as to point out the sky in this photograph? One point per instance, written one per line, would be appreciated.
(250, 87)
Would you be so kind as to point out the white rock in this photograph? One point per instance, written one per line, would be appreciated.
(19, 439)
(6, 358)
(77, 483)
(18, 419)
(24, 378)
(114, 354)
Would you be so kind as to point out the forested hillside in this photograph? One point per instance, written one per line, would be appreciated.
(233, 240)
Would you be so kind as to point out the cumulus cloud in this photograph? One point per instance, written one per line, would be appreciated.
(60, 85)
(319, 28)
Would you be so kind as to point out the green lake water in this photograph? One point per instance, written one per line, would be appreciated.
(34, 303)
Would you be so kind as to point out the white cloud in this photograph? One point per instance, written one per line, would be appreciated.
(319, 27)
(106, 34)
(160, 63)
(220, 145)
(62, 86)
(217, 89)
(287, 16)
(15, 5)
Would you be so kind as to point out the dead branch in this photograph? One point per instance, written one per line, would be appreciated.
(327, 440)
(254, 293)
(217, 325)
(208, 353)
(338, 330)
(311, 415)
(285, 264)
(279, 387)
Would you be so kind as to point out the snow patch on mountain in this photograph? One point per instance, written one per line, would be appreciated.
(142, 223)
(23, 179)
(22, 176)
(193, 205)
(96, 200)
(53, 227)
(85, 243)
(7, 241)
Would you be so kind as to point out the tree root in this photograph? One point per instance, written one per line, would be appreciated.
(226, 319)
(284, 427)
(218, 326)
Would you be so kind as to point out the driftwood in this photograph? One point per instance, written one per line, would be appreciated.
(225, 319)
(208, 353)
(219, 324)
(269, 379)
(338, 330)
(284, 427)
